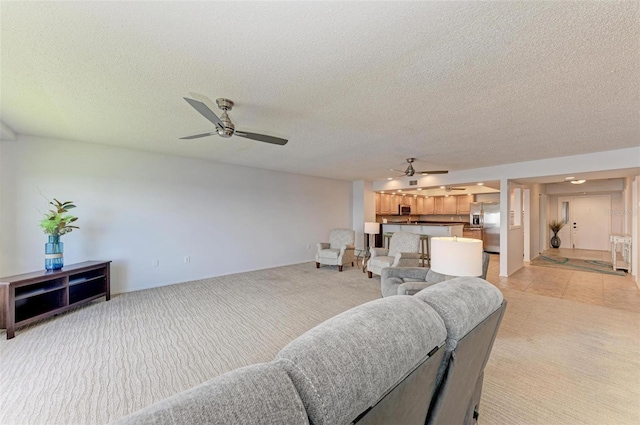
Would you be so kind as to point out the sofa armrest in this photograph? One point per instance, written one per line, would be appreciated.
(410, 288)
(414, 274)
(378, 252)
(323, 245)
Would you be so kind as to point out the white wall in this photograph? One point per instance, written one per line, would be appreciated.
(134, 207)
(634, 212)
(364, 209)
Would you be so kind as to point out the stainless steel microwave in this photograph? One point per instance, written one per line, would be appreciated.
(404, 209)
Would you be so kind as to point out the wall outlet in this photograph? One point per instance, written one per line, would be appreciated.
(187, 259)
(308, 246)
(155, 263)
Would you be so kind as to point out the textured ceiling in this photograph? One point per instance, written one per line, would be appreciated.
(356, 87)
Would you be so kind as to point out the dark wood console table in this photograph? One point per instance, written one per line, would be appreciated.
(28, 297)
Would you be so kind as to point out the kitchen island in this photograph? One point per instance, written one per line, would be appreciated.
(430, 229)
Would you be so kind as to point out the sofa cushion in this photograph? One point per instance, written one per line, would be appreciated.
(462, 302)
(257, 394)
(381, 262)
(348, 363)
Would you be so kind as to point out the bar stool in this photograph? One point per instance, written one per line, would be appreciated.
(387, 239)
(424, 248)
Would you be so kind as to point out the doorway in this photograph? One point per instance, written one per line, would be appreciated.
(587, 222)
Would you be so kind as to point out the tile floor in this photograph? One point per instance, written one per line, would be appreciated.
(620, 292)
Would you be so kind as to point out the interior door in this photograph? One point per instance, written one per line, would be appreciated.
(591, 222)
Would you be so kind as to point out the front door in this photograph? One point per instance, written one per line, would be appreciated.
(591, 222)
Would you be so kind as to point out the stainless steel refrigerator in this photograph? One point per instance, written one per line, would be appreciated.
(486, 216)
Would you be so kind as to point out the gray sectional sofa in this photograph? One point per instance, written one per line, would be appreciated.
(402, 359)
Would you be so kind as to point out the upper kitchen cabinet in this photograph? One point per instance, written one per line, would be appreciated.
(419, 205)
(438, 204)
(387, 203)
(413, 202)
(427, 205)
(464, 203)
(450, 205)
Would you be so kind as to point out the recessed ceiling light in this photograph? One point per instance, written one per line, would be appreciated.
(441, 187)
(577, 181)
(399, 190)
(480, 184)
(569, 178)
(382, 191)
(389, 178)
(419, 188)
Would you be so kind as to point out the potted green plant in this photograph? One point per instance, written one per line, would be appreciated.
(57, 222)
(555, 226)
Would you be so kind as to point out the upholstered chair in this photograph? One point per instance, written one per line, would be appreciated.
(404, 251)
(339, 250)
(409, 280)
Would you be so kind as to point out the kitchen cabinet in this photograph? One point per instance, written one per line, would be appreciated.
(438, 204)
(378, 203)
(464, 203)
(420, 205)
(385, 199)
(413, 202)
(450, 205)
(472, 233)
(427, 205)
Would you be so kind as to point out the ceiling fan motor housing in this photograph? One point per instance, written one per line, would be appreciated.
(228, 127)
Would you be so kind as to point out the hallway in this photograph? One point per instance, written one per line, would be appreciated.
(619, 292)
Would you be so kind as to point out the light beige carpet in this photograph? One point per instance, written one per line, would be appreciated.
(554, 361)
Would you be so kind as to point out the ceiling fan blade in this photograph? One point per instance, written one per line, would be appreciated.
(397, 171)
(262, 138)
(433, 172)
(197, 136)
(205, 111)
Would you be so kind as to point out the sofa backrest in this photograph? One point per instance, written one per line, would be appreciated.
(253, 395)
(355, 366)
(339, 237)
(472, 310)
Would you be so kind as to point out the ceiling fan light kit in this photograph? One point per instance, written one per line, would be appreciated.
(224, 127)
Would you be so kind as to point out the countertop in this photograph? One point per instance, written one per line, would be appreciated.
(427, 223)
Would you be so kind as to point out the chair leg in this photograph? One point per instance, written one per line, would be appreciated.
(317, 265)
(352, 265)
(339, 268)
(369, 274)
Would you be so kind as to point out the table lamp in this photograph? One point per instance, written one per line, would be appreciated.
(371, 228)
(454, 256)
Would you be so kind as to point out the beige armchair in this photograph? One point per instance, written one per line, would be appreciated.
(339, 251)
(404, 251)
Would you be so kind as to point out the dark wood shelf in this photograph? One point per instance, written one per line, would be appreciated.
(29, 297)
(78, 281)
(26, 292)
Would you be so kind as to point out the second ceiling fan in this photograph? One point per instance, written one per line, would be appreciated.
(410, 171)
